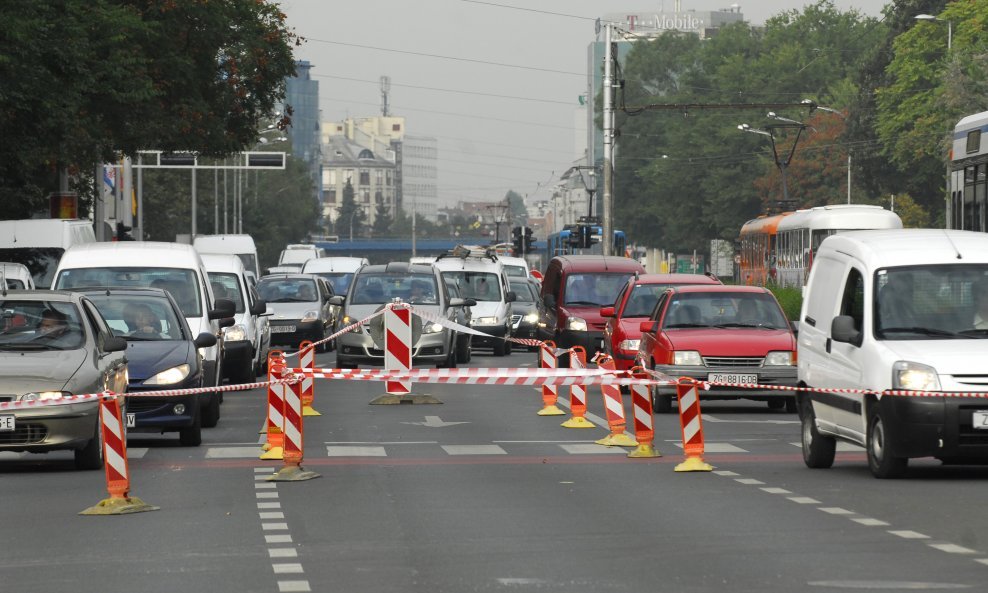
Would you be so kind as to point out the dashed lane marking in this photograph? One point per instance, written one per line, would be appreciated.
(953, 549)
(474, 450)
(334, 451)
(906, 534)
(836, 511)
(869, 522)
(591, 449)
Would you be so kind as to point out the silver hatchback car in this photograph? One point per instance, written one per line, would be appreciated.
(55, 344)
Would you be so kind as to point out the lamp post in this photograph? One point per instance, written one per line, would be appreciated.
(950, 27)
(782, 164)
(354, 213)
(590, 187)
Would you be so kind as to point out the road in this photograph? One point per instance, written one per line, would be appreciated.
(482, 494)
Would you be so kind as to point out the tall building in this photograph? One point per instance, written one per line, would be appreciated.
(302, 93)
(420, 176)
(372, 176)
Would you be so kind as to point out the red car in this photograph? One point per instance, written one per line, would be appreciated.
(634, 304)
(728, 334)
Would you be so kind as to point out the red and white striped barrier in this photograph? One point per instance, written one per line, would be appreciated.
(307, 359)
(274, 448)
(692, 424)
(547, 360)
(398, 346)
(578, 392)
(641, 400)
(293, 431)
(613, 408)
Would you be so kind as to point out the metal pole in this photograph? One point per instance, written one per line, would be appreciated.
(99, 213)
(849, 176)
(193, 204)
(216, 201)
(139, 235)
(413, 224)
(608, 112)
(226, 228)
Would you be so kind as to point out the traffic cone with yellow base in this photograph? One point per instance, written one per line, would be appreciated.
(276, 409)
(550, 394)
(641, 401)
(307, 360)
(578, 393)
(692, 425)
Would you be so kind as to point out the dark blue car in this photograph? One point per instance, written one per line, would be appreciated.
(162, 354)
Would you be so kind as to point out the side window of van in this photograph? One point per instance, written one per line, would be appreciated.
(852, 302)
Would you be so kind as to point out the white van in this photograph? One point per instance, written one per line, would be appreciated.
(39, 243)
(338, 271)
(299, 254)
(247, 341)
(16, 276)
(174, 267)
(480, 276)
(514, 267)
(896, 310)
(240, 245)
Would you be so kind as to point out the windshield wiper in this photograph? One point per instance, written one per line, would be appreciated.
(757, 325)
(583, 303)
(926, 331)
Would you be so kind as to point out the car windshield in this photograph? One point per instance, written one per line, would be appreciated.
(13, 284)
(376, 289)
(181, 283)
(482, 286)
(642, 300)
(593, 289)
(724, 309)
(340, 281)
(932, 302)
(40, 325)
(226, 286)
(288, 290)
(515, 271)
(524, 291)
(139, 317)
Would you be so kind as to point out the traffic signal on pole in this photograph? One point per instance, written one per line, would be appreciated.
(517, 238)
(529, 240)
(123, 232)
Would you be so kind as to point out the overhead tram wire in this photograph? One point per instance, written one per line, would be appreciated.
(427, 88)
(571, 16)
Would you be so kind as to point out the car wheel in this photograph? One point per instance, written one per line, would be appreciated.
(881, 462)
(776, 403)
(499, 349)
(343, 363)
(90, 457)
(818, 450)
(243, 374)
(791, 407)
(661, 402)
(191, 436)
(450, 362)
(507, 347)
(463, 353)
(210, 411)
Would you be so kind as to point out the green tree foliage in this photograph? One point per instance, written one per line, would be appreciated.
(382, 221)
(350, 216)
(517, 211)
(83, 79)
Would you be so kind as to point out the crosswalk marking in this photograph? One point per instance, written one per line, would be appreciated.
(338, 451)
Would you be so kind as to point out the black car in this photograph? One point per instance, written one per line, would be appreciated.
(162, 353)
(526, 310)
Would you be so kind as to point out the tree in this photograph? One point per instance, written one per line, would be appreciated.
(382, 221)
(517, 211)
(350, 216)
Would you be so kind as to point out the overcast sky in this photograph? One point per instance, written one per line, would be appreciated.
(503, 126)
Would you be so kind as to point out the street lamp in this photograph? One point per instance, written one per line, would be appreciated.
(782, 164)
(930, 17)
(354, 213)
(812, 105)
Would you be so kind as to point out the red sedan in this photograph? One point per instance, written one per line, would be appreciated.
(634, 304)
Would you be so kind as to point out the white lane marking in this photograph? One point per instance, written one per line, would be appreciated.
(264, 485)
(277, 539)
(724, 472)
(836, 511)
(269, 505)
(282, 553)
(272, 515)
(709, 418)
(473, 450)
(356, 451)
(293, 586)
(380, 442)
(953, 549)
(263, 470)
(266, 494)
(136, 452)
(287, 568)
(709, 447)
(869, 522)
(590, 449)
(982, 561)
(776, 490)
(906, 534)
(803, 500)
(541, 442)
(517, 581)
(234, 453)
(259, 477)
(274, 526)
(749, 481)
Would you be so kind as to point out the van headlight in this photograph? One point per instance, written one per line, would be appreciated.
(235, 333)
(170, 376)
(687, 358)
(531, 317)
(914, 376)
(310, 315)
(778, 358)
(431, 328)
(36, 396)
(577, 324)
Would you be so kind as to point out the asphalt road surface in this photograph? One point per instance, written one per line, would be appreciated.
(482, 494)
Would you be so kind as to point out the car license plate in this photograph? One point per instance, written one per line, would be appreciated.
(131, 420)
(981, 419)
(7, 423)
(733, 377)
(282, 329)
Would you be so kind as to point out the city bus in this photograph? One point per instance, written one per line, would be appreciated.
(967, 205)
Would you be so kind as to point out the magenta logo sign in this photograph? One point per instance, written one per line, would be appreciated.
(678, 21)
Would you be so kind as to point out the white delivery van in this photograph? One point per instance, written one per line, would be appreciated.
(39, 243)
(896, 310)
(174, 267)
(247, 341)
(16, 276)
(514, 267)
(298, 254)
(338, 271)
(480, 276)
(240, 245)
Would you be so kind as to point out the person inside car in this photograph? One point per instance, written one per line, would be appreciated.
(420, 293)
(53, 325)
(142, 321)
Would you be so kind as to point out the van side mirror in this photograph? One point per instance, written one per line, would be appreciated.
(336, 300)
(549, 300)
(259, 308)
(205, 340)
(646, 326)
(510, 297)
(226, 322)
(469, 302)
(114, 344)
(457, 302)
(222, 308)
(842, 330)
(607, 311)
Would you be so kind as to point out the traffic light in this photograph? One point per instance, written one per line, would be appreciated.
(517, 239)
(123, 232)
(529, 240)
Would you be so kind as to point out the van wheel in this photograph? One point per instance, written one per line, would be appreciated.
(661, 402)
(791, 406)
(880, 460)
(818, 450)
(776, 403)
(210, 410)
(191, 436)
(499, 349)
(90, 457)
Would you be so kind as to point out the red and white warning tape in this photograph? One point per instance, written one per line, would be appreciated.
(437, 318)
(486, 376)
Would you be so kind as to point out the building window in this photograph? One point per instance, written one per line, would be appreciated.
(329, 196)
(365, 196)
(364, 177)
(332, 177)
(379, 177)
(395, 127)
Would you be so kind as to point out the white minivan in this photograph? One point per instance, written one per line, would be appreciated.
(240, 245)
(174, 267)
(338, 271)
(481, 276)
(39, 243)
(897, 310)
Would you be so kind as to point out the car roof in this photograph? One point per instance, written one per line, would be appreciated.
(910, 247)
(58, 296)
(679, 279)
(719, 288)
(125, 254)
(222, 262)
(598, 263)
(333, 264)
(297, 276)
(142, 290)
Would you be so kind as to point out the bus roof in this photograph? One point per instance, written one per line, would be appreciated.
(763, 224)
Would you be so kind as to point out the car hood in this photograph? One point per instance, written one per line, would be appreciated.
(145, 359)
(589, 314)
(485, 309)
(948, 357)
(630, 327)
(358, 312)
(522, 308)
(731, 341)
(292, 310)
(38, 371)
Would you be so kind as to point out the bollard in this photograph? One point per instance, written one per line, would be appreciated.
(294, 432)
(115, 463)
(547, 360)
(276, 408)
(307, 360)
(641, 402)
(398, 347)
(578, 393)
(614, 408)
(692, 425)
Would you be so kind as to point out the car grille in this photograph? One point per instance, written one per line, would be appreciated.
(6, 398)
(26, 433)
(515, 319)
(143, 404)
(732, 361)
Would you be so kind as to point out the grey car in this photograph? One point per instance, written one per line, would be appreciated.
(54, 344)
(301, 306)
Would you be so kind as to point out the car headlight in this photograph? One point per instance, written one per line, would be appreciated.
(235, 333)
(779, 358)
(914, 376)
(531, 317)
(431, 328)
(629, 345)
(687, 358)
(577, 324)
(484, 321)
(170, 376)
(347, 320)
(35, 396)
(310, 315)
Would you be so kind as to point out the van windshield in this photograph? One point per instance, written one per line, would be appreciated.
(180, 283)
(931, 302)
(340, 281)
(593, 290)
(482, 286)
(41, 261)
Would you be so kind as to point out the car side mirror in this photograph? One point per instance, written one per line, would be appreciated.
(469, 302)
(795, 327)
(842, 330)
(336, 300)
(549, 300)
(457, 302)
(226, 322)
(114, 344)
(607, 311)
(205, 340)
(260, 307)
(222, 308)
(510, 297)
(646, 326)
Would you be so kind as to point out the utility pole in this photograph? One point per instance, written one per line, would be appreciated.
(607, 238)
